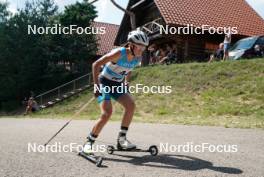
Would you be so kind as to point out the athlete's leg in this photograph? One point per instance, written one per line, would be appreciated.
(129, 105)
(106, 112)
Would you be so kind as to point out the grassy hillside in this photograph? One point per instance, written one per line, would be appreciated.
(229, 94)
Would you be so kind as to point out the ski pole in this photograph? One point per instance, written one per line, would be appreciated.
(67, 123)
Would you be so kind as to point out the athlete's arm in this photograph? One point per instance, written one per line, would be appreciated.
(112, 56)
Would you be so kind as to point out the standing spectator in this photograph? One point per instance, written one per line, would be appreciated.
(227, 43)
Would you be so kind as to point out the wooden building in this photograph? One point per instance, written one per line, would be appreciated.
(150, 14)
(105, 42)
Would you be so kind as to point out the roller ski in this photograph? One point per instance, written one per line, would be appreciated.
(124, 145)
(88, 154)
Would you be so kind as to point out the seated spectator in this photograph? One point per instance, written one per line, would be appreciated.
(219, 53)
(32, 106)
(153, 54)
(158, 55)
(165, 56)
(171, 55)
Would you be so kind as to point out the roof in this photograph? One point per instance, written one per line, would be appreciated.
(216, 13)
(105, 41)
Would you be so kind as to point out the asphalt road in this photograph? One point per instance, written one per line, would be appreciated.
(244, 158)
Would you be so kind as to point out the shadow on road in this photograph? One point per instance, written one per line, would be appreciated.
(175, 162)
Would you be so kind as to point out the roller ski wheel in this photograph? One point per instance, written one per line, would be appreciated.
(153, 150)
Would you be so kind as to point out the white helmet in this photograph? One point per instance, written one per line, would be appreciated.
(138, 37)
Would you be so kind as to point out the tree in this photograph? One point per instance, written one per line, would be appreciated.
(5, 81)
(4, 13)
(23, 56)
(31, 62)
(78, 47)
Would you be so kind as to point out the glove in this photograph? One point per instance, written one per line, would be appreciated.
(97, 94)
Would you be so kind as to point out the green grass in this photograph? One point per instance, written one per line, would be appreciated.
(229, 94)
